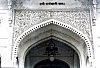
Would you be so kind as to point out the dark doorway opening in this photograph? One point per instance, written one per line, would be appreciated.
(51, 64)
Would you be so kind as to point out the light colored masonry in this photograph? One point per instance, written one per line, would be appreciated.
(25, 24)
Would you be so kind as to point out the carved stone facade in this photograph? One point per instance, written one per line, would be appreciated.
(27, 23)
(62, 18)
(24, 19)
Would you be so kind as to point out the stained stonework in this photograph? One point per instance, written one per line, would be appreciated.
(24, 19)
(35, 4)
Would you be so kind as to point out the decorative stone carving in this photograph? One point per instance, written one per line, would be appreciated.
(52, 21)
(94, 9)
(24, 19)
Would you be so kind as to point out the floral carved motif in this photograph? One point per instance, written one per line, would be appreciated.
(24, 19)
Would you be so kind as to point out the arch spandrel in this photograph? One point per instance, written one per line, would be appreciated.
(55, 22)
(77, 18)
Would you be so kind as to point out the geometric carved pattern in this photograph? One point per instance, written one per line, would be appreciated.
(82, 36)
(24, 19)
(77, 20)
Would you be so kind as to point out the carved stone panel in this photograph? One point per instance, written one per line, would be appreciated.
(24, 19)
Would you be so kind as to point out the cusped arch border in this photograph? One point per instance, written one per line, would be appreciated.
(52, 21)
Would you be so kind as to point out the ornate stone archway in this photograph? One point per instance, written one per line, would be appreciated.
(55, 22)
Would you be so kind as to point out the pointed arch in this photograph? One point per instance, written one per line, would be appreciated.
(58, 23)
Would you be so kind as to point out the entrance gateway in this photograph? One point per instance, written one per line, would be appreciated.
(28, 57)
(40, 30)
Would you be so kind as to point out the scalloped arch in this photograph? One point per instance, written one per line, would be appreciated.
(52, 21)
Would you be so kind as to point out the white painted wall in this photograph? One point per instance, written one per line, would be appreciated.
(96, 38)
(5, 39)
